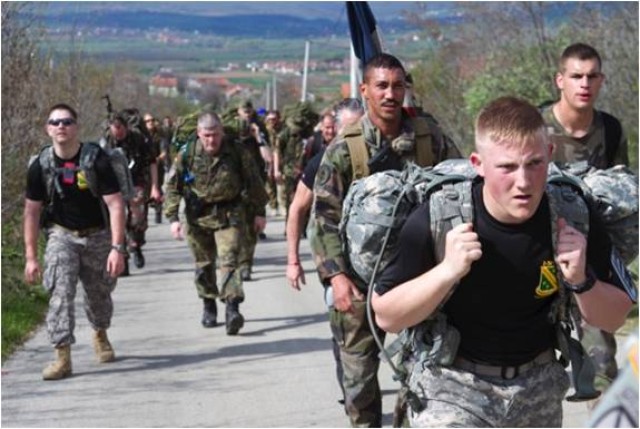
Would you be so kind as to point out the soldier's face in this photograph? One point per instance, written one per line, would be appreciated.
(328, 129)
(62, 127)
(211, 139)
(384, 91)
(118, 130)
(150, 123)
(580, 82)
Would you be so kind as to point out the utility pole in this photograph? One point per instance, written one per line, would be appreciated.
(275, 93)
(268, 96)
(303, 96)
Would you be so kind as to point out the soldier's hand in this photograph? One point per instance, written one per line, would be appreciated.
(343, 290)
(115, 263)
(156, 195)
(462, 249)
(176, 230)
(32, 272)
(259, 223)
(295, 275)
(572, 253)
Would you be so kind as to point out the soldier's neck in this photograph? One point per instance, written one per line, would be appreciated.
(576, 122)
(66, 150)
(389, 130)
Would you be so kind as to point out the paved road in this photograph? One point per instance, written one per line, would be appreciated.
(171, 372)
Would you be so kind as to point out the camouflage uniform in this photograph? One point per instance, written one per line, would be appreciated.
(160, 143)
(359, 352)
(290, 147)
(141, 154)
(599, 345)
(457, 398)
(588, 148)
(222, 184)
(270, 184)
(249, 236)
(69, 258)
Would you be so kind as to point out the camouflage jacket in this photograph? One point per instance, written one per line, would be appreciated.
(225, 184)
(332, 183)
(290, 147)
(589, 148)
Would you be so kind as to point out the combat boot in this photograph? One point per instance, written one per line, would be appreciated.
(245, 274)
(158, 217)
(102, 346)
(61, 368)
(234, 320)
(138, 257)
(209, 313)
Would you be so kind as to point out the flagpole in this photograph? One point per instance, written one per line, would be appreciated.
(354, 73)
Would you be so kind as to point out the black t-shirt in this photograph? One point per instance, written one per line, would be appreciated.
(79, 209)
(501, 317)
(310, 171)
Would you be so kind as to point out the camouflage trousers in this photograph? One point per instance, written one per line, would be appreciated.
(456, 398)
(272, 191)
(359, 356)
(248, 240)
(222, 244)
(68, 259)
(137, 211)
(288, 191)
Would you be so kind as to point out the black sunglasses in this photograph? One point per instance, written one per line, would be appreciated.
(66, 122)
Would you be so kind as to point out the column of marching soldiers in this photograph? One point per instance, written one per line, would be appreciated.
(230, 170)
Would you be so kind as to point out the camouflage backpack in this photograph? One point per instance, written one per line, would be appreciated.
(301, 118)
(377, 206)
(88, 154)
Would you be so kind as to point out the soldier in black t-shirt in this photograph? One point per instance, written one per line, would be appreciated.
(505, 373)
(80, 243)
(144, 172)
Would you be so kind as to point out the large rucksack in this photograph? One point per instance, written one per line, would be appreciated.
(88, 154)
(301, 118)
(377, 206)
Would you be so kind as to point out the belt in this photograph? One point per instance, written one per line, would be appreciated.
(80, 233)
(506, 372)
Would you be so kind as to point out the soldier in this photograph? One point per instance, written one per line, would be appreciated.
(216, 177)
(251, 136)
(497, 366)
(387, 138)
(160, 142)
(322, 137)
(579, 132)
(80, 243)
(274, 126)
(142, 162)
(288, 158)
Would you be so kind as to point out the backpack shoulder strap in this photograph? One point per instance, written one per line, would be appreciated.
(47, 165)
(425, 135)
(354, 137)
(88, 154)
(449, 207)
(612, 136)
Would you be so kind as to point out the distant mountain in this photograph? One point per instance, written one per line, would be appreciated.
(249, 19)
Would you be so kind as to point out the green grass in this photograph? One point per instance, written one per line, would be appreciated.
(22, 311)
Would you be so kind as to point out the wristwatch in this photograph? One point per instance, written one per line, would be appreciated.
(583, 287)
(120, 248)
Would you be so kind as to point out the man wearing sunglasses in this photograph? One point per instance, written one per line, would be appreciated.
(82, 243)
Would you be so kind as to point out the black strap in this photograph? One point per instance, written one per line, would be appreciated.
(612, 136)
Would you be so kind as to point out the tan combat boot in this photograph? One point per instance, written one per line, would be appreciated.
(61, 368)
(102, 347)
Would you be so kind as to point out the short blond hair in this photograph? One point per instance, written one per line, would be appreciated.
(509, 120)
